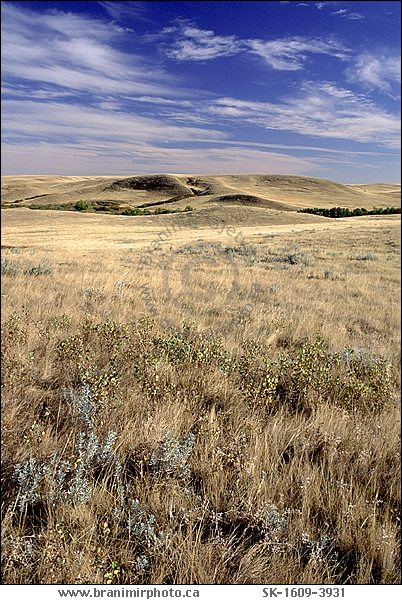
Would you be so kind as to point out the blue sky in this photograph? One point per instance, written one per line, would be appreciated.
(125, 88)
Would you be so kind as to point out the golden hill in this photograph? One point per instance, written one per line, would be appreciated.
(283, 192)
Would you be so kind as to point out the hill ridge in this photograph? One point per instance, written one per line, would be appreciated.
(281, 192)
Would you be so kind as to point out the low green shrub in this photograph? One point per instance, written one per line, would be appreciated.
(81, 206)
(338, 212)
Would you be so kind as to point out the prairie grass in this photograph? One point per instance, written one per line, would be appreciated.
(203, 413)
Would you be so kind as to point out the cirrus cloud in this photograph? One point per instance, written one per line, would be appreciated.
(283, 54)
(377, 71)
(320, 110)
(82, 93)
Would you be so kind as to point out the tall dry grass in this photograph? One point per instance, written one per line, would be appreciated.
(156, 431)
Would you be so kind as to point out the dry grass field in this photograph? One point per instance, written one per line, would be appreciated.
(208, 397)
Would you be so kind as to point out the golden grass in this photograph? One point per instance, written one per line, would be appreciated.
(281, 190)
(287, 481)
(95, 232)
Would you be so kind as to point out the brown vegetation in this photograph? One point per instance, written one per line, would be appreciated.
(211, 405)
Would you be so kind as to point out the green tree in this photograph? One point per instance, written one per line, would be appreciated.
(81, 205)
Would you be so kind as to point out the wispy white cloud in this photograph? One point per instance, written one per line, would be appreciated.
(284, 54)
(23, 91)
(90, 159)
(345, 13)
(95, 158)
(320, 110)
(164, 101)
(198, 44)
(74, 101)
(289, 54)
(73, 123)
(308, 149)
(348, 14)
(74, 52)
(317, 5)
(378, 71)
(120, 11)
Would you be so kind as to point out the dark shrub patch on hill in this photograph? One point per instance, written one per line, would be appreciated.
(339, 212)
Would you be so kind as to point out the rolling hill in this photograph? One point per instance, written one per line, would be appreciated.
(281, 192)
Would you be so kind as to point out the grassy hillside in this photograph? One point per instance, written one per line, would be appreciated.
(208, 397)
(282, 191)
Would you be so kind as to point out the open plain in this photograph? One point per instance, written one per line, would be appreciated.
(208, 395)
